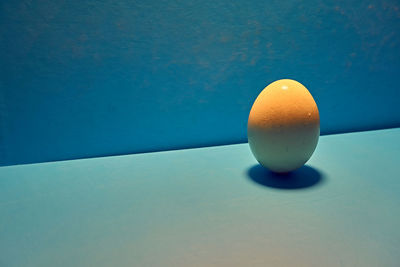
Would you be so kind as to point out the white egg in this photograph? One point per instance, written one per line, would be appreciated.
(283, 126)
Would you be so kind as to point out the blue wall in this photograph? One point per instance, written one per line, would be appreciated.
(94, 78)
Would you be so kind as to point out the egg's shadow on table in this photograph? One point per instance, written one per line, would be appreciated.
(301, 178)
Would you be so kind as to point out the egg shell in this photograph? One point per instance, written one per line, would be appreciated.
(283, 126)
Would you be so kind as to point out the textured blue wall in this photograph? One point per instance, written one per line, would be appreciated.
(93, 78)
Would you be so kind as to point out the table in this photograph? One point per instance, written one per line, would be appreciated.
(212, 206)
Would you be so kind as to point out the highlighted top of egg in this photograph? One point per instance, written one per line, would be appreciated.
(283, 126)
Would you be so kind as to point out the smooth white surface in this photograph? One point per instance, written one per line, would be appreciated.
(211, 206)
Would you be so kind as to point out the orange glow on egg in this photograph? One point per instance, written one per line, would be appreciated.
(283, 126)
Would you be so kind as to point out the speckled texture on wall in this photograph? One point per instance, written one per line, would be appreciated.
(94, 78)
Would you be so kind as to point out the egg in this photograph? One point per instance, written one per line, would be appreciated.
(283, 127)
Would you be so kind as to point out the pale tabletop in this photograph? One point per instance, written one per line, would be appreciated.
(210, 206)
